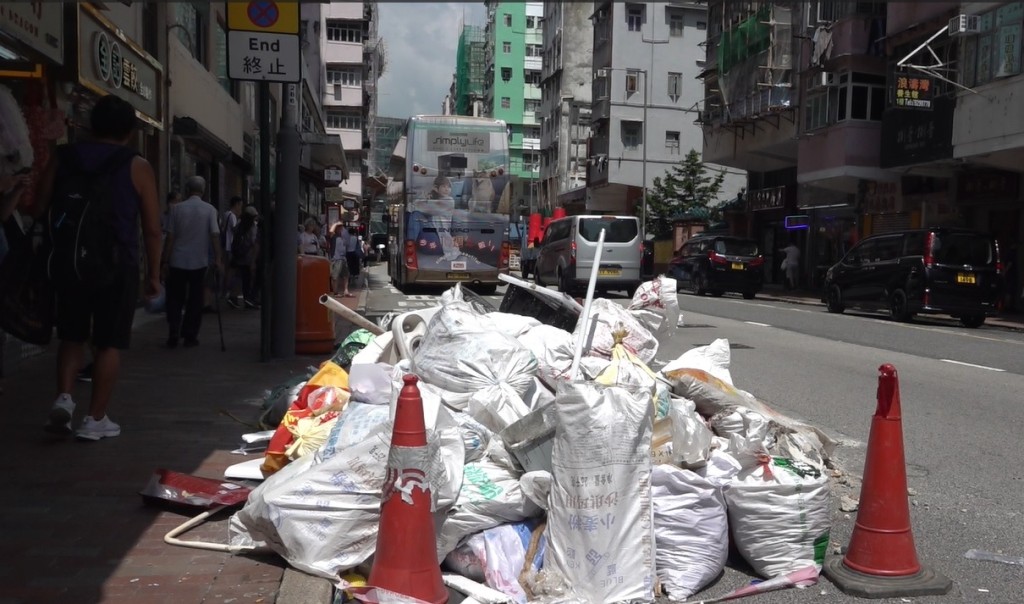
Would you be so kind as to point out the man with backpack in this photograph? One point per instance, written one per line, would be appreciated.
(94, 195)
(228, 225)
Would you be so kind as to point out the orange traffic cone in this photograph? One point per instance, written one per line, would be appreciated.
(881, 561)
(406, 557)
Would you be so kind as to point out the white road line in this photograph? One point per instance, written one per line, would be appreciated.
(971, 365)
(756, 323)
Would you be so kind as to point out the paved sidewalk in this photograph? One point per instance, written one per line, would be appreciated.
(74, 528)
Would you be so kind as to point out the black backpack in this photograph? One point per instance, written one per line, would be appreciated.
(83, 241)
(241, 247)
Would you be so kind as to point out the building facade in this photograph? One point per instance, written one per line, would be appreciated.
(567, 55)
(470, 70)
(644, 102)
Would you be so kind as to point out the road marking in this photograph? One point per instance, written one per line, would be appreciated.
(971, 365)
(756, 323)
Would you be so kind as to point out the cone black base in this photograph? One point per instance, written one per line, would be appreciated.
(927, 582)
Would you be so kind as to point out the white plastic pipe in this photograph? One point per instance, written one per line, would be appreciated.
(584, 325)
(171, 538)
(350, 315)
(476, 592)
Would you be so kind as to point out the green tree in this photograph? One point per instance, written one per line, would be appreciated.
(687, 188)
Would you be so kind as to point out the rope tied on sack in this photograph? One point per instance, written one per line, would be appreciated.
(765, 461)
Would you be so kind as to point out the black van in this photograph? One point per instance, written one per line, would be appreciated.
(717, 264)
(939, 271)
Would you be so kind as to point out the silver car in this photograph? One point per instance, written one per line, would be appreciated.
(566, 256)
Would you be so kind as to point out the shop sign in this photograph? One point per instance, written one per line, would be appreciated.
(1008, 50)
(109, 63)
(882, 198)
(913, 137)
(39, 25)
(334, 194)
(767, 199)
(914, 92)
(332, 174)
(988, 185)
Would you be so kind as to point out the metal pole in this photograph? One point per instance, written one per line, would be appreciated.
(265, 291)
(287, 215)
(643, 221)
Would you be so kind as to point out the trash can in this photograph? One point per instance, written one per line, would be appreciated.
(522, 301)
(314, 329)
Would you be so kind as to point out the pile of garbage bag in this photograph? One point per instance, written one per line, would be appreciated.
(615, 484)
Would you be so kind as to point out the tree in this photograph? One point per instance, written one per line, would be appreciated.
(687, 188)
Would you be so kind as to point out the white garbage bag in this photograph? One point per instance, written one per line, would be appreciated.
(512, 324)
(606, 318)
(714, 358)
(370, 382)
(601, 541)
(749, 433)
(656, 305)
(691, 530)
(691, 436)
(497, 557)
(779, 516)
(553, 349)
(356, 423)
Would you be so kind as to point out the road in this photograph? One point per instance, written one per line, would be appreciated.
(962, 418)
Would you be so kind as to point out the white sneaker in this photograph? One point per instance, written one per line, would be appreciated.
(59, 421)
(93, 429)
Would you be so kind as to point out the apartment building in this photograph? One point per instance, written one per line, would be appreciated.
(644, 100)
(354, 60)
(467, 94)
(565, 103)
(512, 78)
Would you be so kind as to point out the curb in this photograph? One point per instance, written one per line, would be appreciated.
(299, 588)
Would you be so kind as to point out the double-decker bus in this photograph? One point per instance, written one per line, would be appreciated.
(451, 223)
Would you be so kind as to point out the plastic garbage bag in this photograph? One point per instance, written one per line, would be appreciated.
(553, 348)
(626, 370)
(370, 382)
(656, 305)
(512, 324)
(691, 436)
(608, 317)
(691, 530)
(714, 358)
(356, 423)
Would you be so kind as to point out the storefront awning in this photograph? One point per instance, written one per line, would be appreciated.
(189, 129)
(326, 150)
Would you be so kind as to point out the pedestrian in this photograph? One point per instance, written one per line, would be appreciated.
(352, 256)
(244, 253)
(791, 264)
(309, 243)
(228, 223)
(103, 311)
(191, 231)
(339, 264)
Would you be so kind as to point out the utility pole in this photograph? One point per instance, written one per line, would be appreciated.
(266, 304)
(286, 216)
(647, 91)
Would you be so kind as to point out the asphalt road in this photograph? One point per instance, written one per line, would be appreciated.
(962, 417)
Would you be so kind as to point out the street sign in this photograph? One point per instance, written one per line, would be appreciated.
(264, 16)
(257, 56)
(332, 174)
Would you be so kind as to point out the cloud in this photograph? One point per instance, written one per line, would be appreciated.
(421, 40)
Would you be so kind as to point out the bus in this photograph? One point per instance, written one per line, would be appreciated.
(451, 222)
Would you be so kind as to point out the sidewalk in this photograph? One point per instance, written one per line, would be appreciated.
(74, 528)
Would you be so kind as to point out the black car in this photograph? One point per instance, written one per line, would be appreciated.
(940, 270)
(717, 264)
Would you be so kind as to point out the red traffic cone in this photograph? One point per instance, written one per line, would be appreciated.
(406, 557)
(881, 561)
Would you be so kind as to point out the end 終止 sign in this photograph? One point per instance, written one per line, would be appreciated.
(263, 42)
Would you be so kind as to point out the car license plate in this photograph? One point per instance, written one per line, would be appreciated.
(609, 272)
(966, 278)
(737, 266)
(459, 276)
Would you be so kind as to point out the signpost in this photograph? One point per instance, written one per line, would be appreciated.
(263, 41)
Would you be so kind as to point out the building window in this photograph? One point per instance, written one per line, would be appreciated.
(632, 82)
(506, 102)
(344, 120)
(531, 132)
(508, 20)
(860, 96)
(702, 25)
(531, 105)
(675, 24)
(340, 30)
(192, 19)
(531, 76)
(531, 161)
(992, 54)
(675, 85)
(632, 134)
(506, 47)
(506, 74)
(672, 142)
(531, 23)
(634, 16)
(534, 50)
(349, 78)
(222, 59)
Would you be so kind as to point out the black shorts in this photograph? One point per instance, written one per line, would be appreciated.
(105, 315)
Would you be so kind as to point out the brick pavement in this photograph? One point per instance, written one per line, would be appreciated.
(74, 528)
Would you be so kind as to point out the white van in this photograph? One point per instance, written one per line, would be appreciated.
(566, 255)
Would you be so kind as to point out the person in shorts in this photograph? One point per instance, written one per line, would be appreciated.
(339, 262)
(105, 314)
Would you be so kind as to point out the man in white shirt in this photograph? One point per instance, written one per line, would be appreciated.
(228, 222)
(191, 230)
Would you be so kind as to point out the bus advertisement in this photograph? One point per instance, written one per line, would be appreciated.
(452, 222)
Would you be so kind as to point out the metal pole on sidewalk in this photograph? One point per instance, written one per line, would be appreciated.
(286, 220)
(265, 215)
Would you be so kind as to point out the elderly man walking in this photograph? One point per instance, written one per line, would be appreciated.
(191, 229)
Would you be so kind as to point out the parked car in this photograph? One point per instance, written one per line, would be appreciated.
(939, 270)
(566, 257)
(717, 264)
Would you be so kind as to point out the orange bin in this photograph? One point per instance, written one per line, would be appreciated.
(314, 330)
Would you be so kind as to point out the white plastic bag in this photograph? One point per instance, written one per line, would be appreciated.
(355, 425)
(656, 305)
(691, 437)
(748, 433)
(512, 324)
(779, 516)
(600, 517)
(370, 382)
(606, 318)
(553, 349)
(691, 529)
(714, 358)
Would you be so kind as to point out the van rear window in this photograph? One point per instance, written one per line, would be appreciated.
(736, 247)
(616, 230)
(963, 248)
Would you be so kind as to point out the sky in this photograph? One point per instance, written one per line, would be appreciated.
(420, 38)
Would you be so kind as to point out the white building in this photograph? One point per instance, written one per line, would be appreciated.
(645, 99)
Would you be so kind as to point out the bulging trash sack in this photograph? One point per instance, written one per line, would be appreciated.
(691, 530)
(779, 516)
(607, 317)
(714, 358)
(601, 541)
(691, 436)
(511, 324)
(656, 305)
(553, 348)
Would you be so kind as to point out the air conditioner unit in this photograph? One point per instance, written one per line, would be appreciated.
(826, 79)
(602, 73)
(965, 25)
